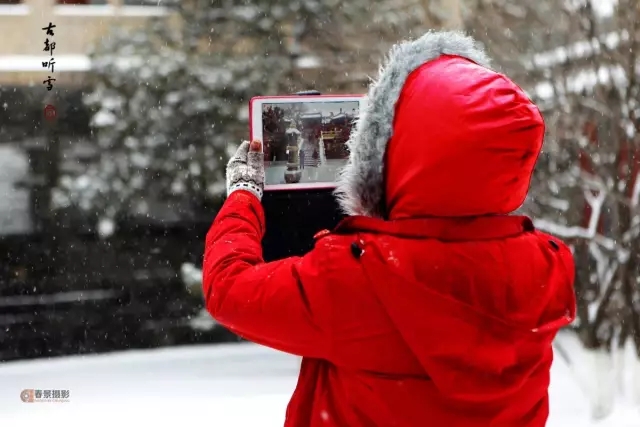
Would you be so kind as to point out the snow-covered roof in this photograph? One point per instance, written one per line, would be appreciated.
(20, 63)
(155, 8)
(304, 116)
(14, 202)
(82, 63)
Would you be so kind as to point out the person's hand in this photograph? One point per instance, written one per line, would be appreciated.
(245, 170)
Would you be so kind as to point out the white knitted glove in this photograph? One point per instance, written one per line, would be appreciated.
(245, 170)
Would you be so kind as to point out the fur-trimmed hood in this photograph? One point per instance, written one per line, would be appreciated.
(484, 111)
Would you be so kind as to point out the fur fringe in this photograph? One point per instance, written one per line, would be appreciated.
(360, 189)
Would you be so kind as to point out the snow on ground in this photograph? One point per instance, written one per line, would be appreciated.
(222, 385)
(274, 173)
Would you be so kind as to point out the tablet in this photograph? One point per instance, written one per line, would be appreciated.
(304, 138)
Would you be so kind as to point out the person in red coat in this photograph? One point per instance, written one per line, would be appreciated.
(432, 304)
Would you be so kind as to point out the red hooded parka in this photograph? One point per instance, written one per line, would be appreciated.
(430, 305)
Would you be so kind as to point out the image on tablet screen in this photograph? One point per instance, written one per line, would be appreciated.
(305, 142)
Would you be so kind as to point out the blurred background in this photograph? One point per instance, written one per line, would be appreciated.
(112, 171)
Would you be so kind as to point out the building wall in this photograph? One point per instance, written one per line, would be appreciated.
(78, 28)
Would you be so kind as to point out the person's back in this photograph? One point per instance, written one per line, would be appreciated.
(429, 305)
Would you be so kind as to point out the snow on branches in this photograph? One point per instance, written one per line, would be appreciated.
(579, 62)
(159, 119)
(169, 99)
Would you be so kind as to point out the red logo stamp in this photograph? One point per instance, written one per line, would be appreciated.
(50, 112)
(44, 396)
(27, 395)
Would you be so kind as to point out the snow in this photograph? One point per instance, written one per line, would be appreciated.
(17, 63)
(635, 193)
(84, 10)
(68, 63)
(581, 80)
(82, 63)
(15, 217)
(604, 8)
(581, 49)
(57, 298)
(635, 380)
(230, 385)
(14, 9)
(601, 381)
(223, 385)
(608, 380)
(324, 174)
(143, 11)
(106, 228)
(103, 118)
(191, 276)
(308, 62)
(202, 321)
(310, 116)
(109, 10)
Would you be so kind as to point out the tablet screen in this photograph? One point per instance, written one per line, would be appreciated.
(305, 143)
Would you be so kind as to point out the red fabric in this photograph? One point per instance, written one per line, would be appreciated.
(418, 320)
(461, 146)
(458, 336)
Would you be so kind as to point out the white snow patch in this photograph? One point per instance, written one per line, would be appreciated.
(109, 10)
(202, 321)
(103, 118)
(33, 63)
(584, 79)
(580, 49)
(14, 9)
(601, 381)
(308, 61)
(84, 10)
(229, 385)
(191, 277)
(57, 298)
(243, 113)
(106, 228)
(14, 201)
(70, 63)
(635, 369)
(604, 8)
(148, 10)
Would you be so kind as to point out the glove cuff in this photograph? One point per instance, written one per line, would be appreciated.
(246, 186)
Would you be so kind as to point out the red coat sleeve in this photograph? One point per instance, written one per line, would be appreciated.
(277, 304)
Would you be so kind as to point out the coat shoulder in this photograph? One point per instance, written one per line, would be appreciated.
(554, 244)
(559, 247)
(335, 252)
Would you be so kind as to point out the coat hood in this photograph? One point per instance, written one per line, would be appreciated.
(441, 135)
